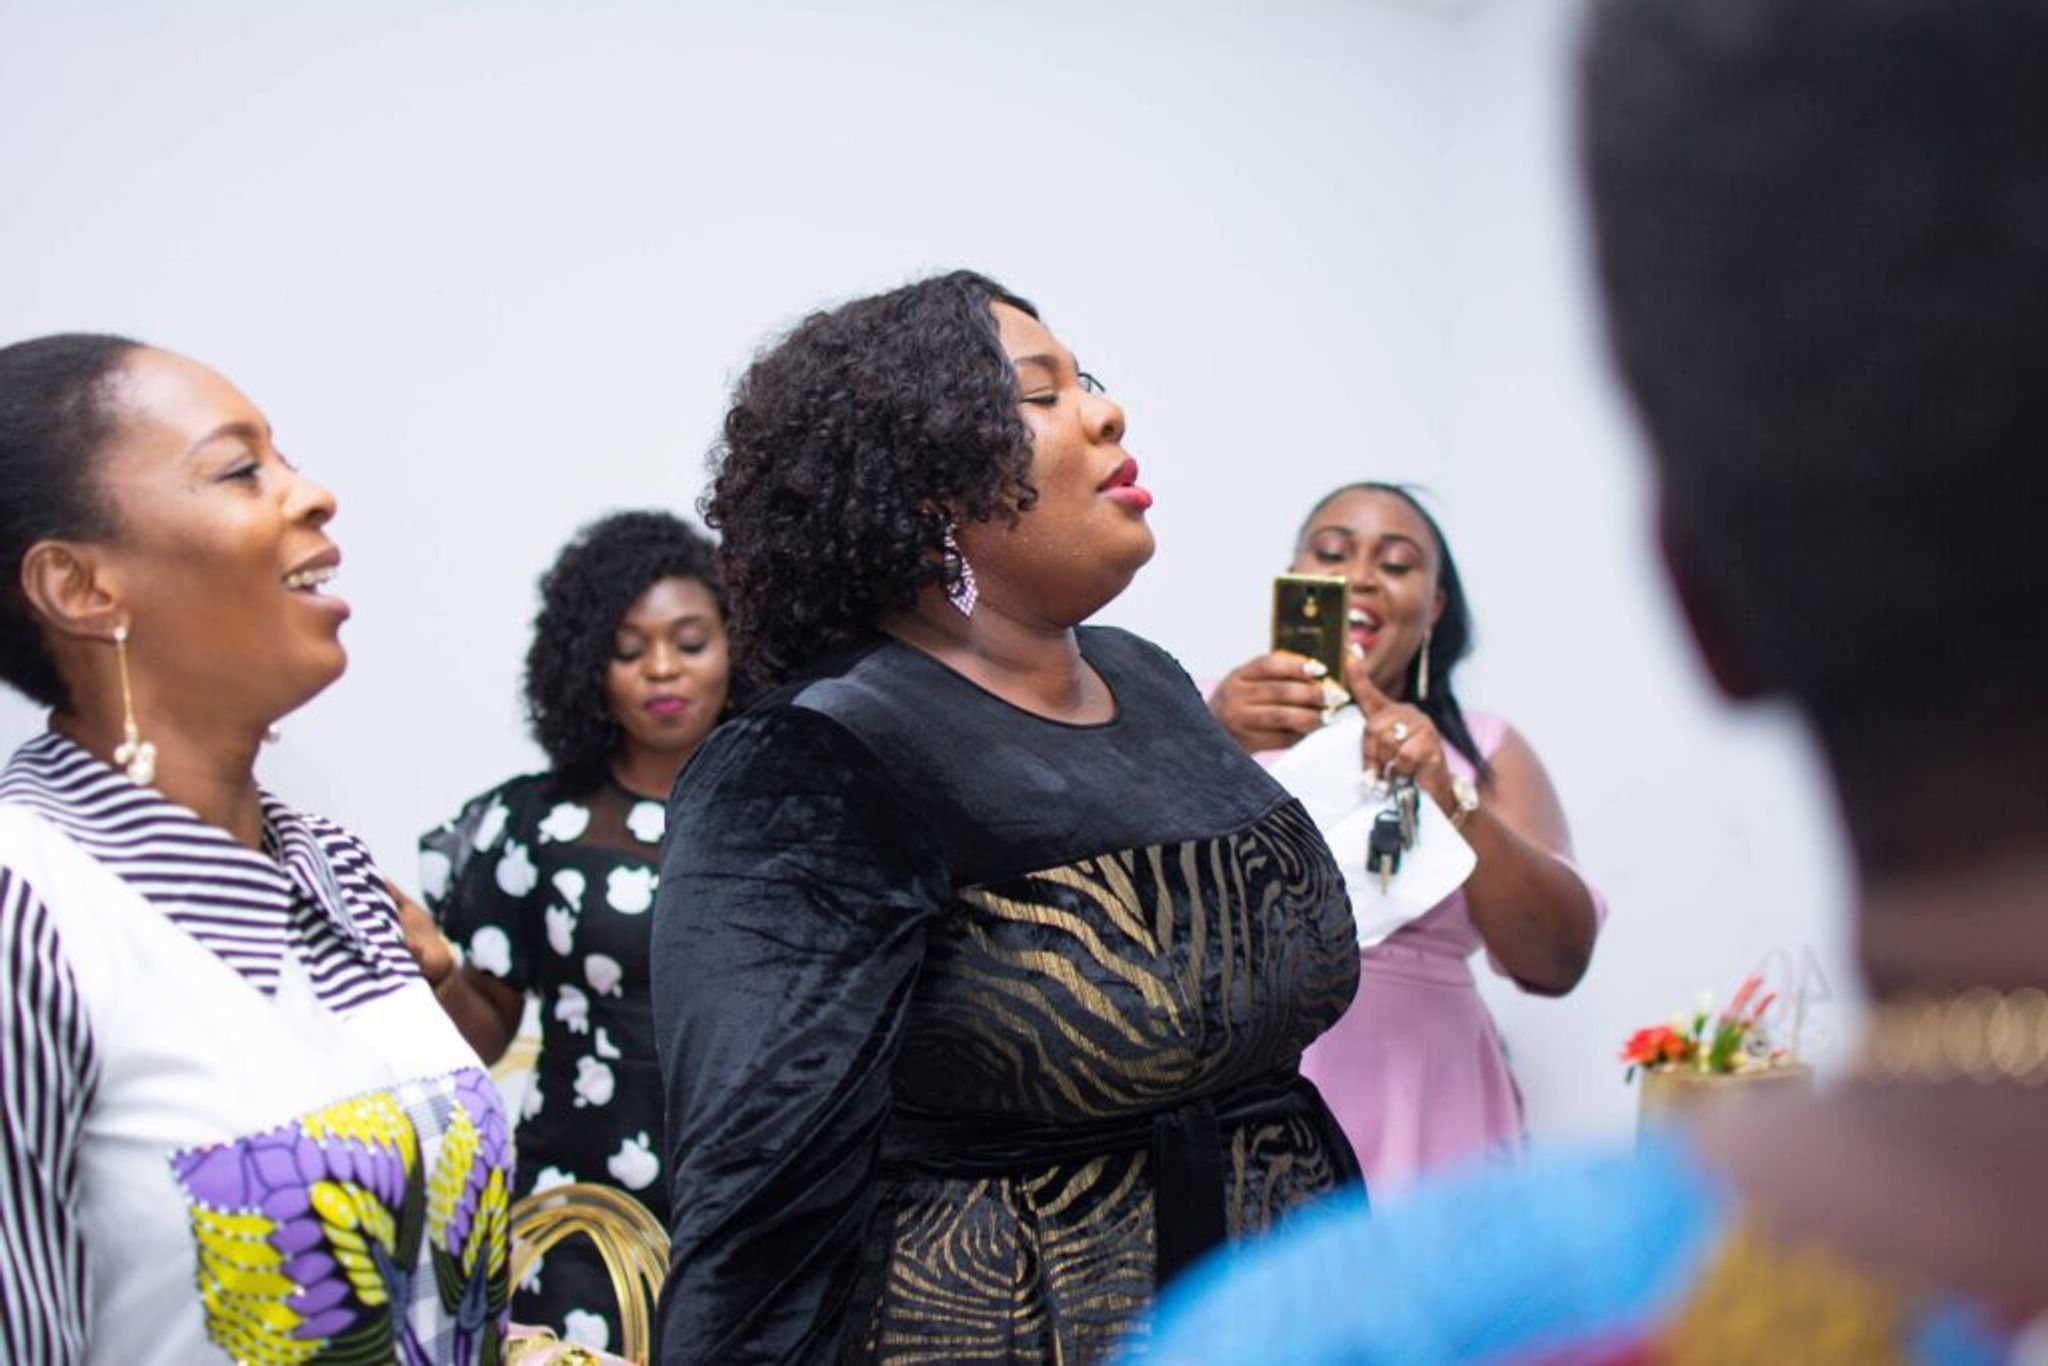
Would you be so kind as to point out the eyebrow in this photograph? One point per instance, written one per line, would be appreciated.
(1051, 363)
(684, 620)
(1349, 534)
(247, 431)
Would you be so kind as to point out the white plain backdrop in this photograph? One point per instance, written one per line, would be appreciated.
(490, 269)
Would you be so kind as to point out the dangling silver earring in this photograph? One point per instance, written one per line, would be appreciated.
(136, 755)
(962, 592)
(1422, 668)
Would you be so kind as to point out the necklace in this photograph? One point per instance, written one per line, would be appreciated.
(1980, 1035)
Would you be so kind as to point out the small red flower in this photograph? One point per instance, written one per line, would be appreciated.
(1657, 1044)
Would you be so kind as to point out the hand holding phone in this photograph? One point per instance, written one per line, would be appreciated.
(1311, 618)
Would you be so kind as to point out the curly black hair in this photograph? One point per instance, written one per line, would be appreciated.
(850, 445)
(55, 415)
(607, 565)
(1450, 640)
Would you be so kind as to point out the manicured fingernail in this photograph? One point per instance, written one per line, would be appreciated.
(1315, 668)
(1357, 650)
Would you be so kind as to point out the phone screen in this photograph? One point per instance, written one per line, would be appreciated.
(1311, 617)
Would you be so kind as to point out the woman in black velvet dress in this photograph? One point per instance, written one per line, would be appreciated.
(983, 958)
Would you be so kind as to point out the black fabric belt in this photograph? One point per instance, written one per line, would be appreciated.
(1186, 1142)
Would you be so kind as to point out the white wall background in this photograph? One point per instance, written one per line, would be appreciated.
(490, 269)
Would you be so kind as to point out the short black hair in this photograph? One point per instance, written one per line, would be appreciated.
(1823, 240)
(1822, 232)
(1450, 639)
(848, 444)
(55, 415)
(597, 576)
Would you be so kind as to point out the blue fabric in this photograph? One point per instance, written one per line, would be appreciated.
(1505, 1261)
(1591, 1252)
(1958, 1335)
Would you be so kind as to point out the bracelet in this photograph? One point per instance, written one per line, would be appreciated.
(1465, 793)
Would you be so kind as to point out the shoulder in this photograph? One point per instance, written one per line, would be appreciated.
(521, 794)
(1489, 730)
(1469, 1269)
(356, 871)
(38, 983)
(336, 842)
(1140, 670)
(24, 920)
(516, 805)
(39, 846)
(787, 778)
(48, 885)
(787, 743)
(1118, 646)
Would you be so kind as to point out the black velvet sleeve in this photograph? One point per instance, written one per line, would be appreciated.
(789, 929)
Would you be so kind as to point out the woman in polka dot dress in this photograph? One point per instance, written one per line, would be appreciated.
(546, 882)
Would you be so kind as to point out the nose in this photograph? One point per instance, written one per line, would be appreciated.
(310, 501)
(1105, 417)
(661, 660)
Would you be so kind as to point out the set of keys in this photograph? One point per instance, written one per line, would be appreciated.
(1394, 830)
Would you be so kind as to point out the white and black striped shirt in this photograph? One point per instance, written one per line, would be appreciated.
(312, 890)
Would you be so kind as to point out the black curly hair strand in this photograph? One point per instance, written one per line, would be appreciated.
(851, 445)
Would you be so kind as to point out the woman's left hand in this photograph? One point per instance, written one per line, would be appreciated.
(1400, 740)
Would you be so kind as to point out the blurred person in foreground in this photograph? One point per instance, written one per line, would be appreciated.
(1823, 245)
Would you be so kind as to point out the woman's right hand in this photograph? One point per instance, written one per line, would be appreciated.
(429, 947)
(1271, 701)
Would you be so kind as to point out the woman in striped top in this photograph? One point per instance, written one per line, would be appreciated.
(234, 1123)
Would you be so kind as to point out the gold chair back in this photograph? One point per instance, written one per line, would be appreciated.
(631, 1242)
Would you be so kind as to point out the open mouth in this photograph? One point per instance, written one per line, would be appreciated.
(1365, 627)
(309, 580)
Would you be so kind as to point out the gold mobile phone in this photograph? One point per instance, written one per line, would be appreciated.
(1312, 617)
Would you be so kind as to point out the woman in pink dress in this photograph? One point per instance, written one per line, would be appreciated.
(1414, 1070)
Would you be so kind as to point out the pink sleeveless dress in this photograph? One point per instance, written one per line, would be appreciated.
(1414, 1070)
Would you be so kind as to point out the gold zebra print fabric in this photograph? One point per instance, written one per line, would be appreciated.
(1112, 987)
(976, 1026)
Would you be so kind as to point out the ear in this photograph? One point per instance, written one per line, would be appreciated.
(66, 587)
(1729, 664)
